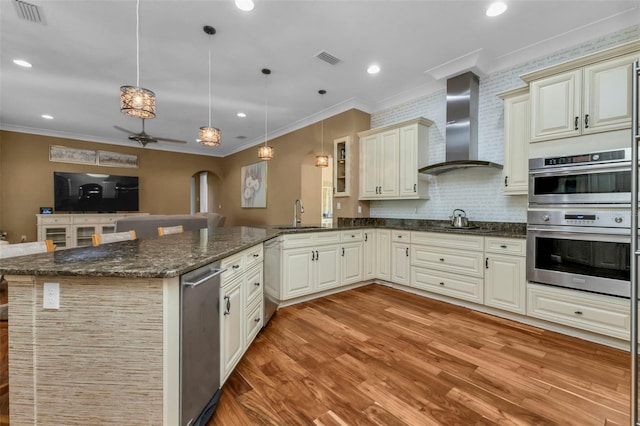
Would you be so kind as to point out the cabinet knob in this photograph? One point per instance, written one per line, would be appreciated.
(441, 283)
(442, 259)
(504, 246)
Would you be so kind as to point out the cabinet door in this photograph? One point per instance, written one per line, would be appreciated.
(232, 331)
(369, 255)
(408, 186)
(368, 167)
(383, 254)
(326, 267)
(297, 274)
(351, 263)
(517, 131)
(388, 159)
(400, 263)
(505, 283)
(555, 106)
(82, 235)
(607, 95)
(60, 235)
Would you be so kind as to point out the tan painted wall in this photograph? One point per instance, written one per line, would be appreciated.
(26, 177)
(291, 174)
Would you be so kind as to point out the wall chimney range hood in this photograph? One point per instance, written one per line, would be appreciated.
(461, 138)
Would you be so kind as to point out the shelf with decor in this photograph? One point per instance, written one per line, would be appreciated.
(342, 166)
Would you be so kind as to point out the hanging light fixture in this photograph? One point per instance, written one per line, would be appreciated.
(265, 152)
(137, 101)
(209, 136)
(322, 160)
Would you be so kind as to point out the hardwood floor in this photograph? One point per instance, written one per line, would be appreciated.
(375, 355)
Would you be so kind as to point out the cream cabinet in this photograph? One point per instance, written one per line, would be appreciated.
(75, 230)
(593, 98)
(310, 263)
(400, 257)
(383, 254)
(390, 158)
(601, 314)
(369, 254)
(448, 264)
(505, 281)
(241, 305)
(517, 132)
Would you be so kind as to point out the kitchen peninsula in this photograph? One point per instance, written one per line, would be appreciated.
(110, 354)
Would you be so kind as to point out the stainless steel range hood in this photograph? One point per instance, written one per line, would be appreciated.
(461, 140)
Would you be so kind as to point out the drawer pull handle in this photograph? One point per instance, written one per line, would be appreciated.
(578, 312)
(442, 259)
(441, 283)
(228, 311)
(256, 255)
(504, 246)
(313, 255)
(235, 266)
(407, 251)
(256, 284)
(257, 320)
(365, 237)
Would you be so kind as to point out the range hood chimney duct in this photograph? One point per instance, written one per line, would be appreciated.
(461, 141)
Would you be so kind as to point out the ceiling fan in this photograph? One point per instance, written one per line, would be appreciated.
(143, 138)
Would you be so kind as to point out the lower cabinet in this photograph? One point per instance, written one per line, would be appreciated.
(241, 306)
(383, 254)
(369, 254)
(606, 315)
(505, 280)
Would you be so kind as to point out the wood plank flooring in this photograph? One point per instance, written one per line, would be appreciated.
(380, 356)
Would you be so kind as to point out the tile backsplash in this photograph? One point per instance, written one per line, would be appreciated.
(477, 191)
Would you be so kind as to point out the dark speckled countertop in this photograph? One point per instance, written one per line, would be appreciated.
(173, 255)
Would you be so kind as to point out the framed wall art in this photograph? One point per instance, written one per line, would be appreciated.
(65, 154)
(115, 159)
(253, 185)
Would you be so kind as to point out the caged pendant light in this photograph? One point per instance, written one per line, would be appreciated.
(322, 160)
(137, 101)
(265, 152)
(209, 136)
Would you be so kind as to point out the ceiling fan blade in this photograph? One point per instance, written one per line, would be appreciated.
(161, 139)
(122, 129)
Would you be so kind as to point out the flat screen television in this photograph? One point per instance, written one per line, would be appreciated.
(93, 192)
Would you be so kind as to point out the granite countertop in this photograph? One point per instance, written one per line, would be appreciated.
(173, 255)
(161, 257)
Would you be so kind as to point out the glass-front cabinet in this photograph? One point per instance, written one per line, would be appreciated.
(342, 166)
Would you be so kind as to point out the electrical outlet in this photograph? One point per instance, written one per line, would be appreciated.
(359, 209)
(338, 205)
(23, 238)
(51, 296)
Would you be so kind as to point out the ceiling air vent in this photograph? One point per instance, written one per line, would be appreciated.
(328, 58)
(29, 12)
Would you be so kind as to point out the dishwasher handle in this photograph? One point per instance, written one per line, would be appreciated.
(214, 273)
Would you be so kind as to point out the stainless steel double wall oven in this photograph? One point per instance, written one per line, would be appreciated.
(578, 223)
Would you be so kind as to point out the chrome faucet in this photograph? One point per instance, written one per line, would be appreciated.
(296, 220)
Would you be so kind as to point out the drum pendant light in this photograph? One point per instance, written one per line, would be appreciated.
(265, 152)
(209, 136)
(137, 101)
(322, 160)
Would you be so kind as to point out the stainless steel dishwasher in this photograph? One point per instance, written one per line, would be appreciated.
(199, 344)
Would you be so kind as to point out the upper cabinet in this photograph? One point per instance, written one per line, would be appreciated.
(390, 158)
(583, 96)
(516, 141)
(342, 166)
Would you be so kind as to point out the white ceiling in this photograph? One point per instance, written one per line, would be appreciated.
(86, 50)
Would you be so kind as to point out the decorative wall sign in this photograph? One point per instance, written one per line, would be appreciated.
(64, 154)
(253, 185)
(115, 159)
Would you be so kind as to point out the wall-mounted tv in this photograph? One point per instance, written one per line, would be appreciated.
(93, 192)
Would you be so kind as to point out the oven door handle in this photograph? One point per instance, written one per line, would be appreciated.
(579, 235)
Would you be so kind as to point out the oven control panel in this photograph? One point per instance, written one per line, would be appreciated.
(570, 160)
(598, 218)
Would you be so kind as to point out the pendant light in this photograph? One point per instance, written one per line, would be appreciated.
(137, 101)
(322, 160)
(209, 136)
(265, 152)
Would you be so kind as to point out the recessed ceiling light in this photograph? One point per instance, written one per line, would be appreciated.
(245, 5)
(496, 8)
(241, 115)
(22, 63)
(373, 69)
(47, 116)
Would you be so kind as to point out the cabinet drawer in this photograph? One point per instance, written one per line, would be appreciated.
(448, 260)
(254, 321)
(513, 246)
(254, 285)
(253, 256)
(443, 239)
(108, 220)
(298, 240)
(401, 236)
(353, 235)
(458, 286)
(53, 220)
(601, 314)
(332, 237)
(234, 266)
(82, 220)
